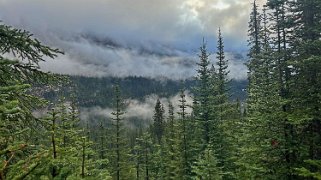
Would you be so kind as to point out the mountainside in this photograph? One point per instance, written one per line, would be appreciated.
(93, 91)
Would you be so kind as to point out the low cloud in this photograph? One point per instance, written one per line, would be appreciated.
(142, 110)
(84, 57)
(122, 38)
(236, 65)
(106, 58)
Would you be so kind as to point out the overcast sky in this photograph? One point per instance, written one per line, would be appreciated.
(132, 37)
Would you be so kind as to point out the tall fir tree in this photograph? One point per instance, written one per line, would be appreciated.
(201, 108)
(184, 143)
(172, 151)
(206, 167)
(159, 123)
(304, 86)
(221, 109)
(16, 118)
(121, 167)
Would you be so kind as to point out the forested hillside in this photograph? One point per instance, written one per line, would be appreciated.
(273, 133)
(93, 91)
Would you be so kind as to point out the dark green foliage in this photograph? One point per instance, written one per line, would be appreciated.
(184, 145)
(206, 167)
(159, 121)
(16, 119)
(143, 147)
(254, 31)
(276, 134)
(92, 91)
(172, 151)
(121, 168)
(33, 147)
(307, 173)
(283, 107)
(202, 96)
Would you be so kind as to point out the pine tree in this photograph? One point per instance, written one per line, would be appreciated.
(206, 166)
(220, 86)
(94, 165)
(256, 127)
(201, 107)
(281, 56)
(158, 126)
(138, 153)
(10, 112)
(144, 145)
(158, 150)
(279, 77)
(255, 49)
(120, 164)
(185, 162)
(303, 109)
(172, 151)
(54, 143)
(280, 29)
(221, 109)
(102, 142)
(16, 118)
(222, 64)
(254, 31)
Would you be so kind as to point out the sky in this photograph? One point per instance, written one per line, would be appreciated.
(150, 38)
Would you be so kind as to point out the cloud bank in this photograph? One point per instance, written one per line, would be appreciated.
(143, 110)
(121, 38)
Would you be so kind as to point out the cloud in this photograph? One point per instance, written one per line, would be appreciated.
(142, 37)
(236, 65)
(90, 59)
(143, 110)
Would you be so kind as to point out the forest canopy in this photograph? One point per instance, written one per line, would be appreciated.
(272, 132)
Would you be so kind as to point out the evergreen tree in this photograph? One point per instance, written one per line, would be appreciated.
(303, 87)
(255, 131)
(254, 31)
(172, 151)
(221, 111)
(207, 166)
(16, 118)
(158, 126)
(222, 65)
(121, 167)
(255, 48)
(201, 107)
(276, 76)
(144, 147)
(185, 162)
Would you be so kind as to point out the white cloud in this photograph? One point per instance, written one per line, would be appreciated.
(144, 110)
(172, 26)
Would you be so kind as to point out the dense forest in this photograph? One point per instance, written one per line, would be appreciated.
(275, 133)
(97, 91)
